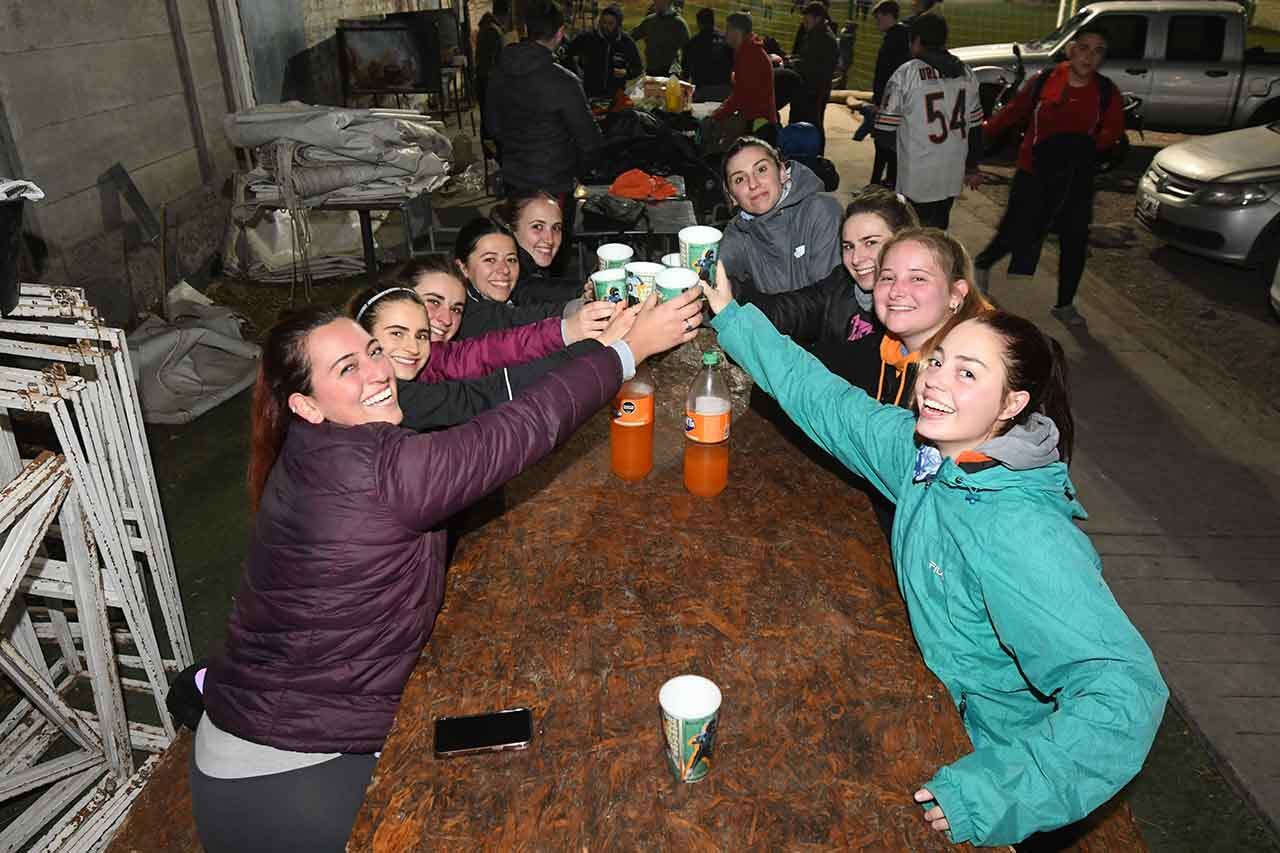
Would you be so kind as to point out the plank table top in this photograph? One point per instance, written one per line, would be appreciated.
(588, 593)
(577, 595)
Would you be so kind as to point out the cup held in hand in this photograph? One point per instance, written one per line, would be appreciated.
(699, 249)
(642, 277)
(610, 285)
(674, 281)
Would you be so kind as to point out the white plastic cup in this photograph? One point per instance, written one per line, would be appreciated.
(613, 256)
(699, 249)
(610, 285)
(672, 260)
(642, 277)
(690, 718)
(674, 281)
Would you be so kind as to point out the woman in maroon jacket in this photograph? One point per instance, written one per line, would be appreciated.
(345, 571)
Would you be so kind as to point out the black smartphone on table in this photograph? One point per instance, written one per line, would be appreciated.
(493, 732)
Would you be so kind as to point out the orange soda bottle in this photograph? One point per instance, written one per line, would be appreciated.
(631, 430)
(708, 409)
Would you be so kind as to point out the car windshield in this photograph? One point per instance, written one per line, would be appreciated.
(1056, 36)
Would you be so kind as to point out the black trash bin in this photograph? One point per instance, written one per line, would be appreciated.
(10, 249)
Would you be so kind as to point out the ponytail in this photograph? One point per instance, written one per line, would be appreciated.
(1056, 402)
(1034, 362)
(283, 371)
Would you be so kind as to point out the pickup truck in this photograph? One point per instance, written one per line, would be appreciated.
(1185, 60)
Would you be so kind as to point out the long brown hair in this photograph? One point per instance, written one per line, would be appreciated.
(1033, 362)
(284, 370)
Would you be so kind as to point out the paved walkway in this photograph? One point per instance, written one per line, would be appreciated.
(1183, 503)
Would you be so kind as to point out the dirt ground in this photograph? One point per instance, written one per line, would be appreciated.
(1212, 320)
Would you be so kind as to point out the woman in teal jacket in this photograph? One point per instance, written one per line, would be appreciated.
(1059, 693)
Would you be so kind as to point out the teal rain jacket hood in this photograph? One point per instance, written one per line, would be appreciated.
(1058, 691)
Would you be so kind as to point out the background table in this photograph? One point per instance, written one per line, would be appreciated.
(655, 232)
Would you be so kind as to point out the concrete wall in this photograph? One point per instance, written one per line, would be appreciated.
(89, 83)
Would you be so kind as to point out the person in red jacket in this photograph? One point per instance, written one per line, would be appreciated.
(752, 94)
(1066, 127)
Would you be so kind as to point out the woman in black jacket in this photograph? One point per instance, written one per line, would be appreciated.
(440, 405)
(487, 257)
(537, 222)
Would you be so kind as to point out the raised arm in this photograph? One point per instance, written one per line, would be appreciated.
(868, 438)
(427, 478)
(480, 356)
(1072, 642)
(799, 314)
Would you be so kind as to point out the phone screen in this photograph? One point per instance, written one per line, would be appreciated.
(483, 732)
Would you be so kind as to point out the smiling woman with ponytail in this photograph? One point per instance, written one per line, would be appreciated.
(1058, 691)
(345, 569)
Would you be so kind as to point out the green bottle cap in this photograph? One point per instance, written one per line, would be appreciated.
(710, 358)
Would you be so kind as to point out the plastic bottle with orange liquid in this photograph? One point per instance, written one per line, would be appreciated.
(708, 409)
(631, 430)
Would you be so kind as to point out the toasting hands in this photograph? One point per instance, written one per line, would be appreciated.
(720, 294)
(658, 328)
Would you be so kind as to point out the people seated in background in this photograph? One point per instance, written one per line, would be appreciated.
(708, 60)
(921, 281)
(752, 94)
(785, 233)
(491, 35)
(439, 405)
(442, 291)
(606, 56)
(344, 574)
(486, 256)
(895, 49)
(815, 62)
(664, 32)
(933, 114)
(397, 317)
(537, 111)
(1059, 693)
(538, 225)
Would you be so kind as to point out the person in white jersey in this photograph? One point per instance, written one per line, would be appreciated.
(932, 116)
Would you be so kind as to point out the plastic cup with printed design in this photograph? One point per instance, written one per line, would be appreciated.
(690, 720)
(613, 256)
(699, 249)
(642, 277)
(674, 281)
(610, 285)
(672, 260)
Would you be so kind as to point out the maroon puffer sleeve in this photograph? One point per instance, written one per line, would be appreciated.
(426, 478)
(480, 356)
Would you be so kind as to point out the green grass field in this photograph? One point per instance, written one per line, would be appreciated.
(970, 23)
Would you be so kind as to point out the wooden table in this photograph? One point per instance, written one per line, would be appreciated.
(658, 228)
(590, 592)
(587, 594)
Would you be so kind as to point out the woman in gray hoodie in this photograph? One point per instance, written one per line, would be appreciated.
(786, 231)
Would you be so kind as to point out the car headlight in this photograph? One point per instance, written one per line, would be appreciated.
(1235, 195)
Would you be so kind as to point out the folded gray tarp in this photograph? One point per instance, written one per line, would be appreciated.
(186, 368)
